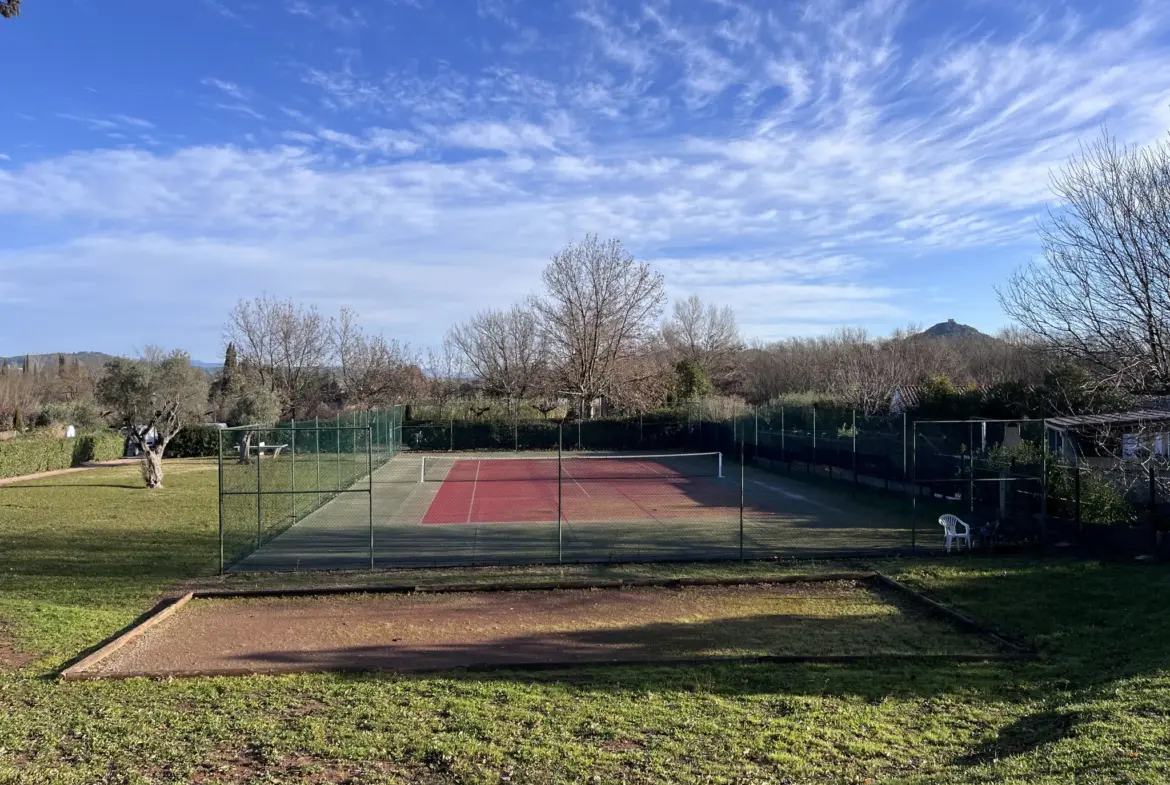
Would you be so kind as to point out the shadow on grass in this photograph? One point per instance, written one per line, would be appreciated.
(56, 485)
(1022, 737)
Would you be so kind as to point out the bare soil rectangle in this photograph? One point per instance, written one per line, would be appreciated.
(420, 632)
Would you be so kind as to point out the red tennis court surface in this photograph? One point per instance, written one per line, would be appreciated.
(524, 490)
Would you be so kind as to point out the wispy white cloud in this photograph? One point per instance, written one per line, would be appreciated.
(231, 89)
(240, 108)
(111, 122)
(220, 8)
(332, 17)
(790, 161)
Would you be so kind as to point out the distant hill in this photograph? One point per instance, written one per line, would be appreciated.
(89, 359)
(950, 329)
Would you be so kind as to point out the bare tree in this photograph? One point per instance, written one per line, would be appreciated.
(285, 344)
(1101, 295)
(372, 371)
(152, 398)
(706, 335)
(445, 371)
(600, 304)
(502, 350)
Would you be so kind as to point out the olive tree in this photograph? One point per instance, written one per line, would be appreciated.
(152, 398)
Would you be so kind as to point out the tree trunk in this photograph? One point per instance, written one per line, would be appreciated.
(245, 448)
(152, 471)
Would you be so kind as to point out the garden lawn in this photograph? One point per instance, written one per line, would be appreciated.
(82, 555)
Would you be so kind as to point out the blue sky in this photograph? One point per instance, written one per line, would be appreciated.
(811, 164)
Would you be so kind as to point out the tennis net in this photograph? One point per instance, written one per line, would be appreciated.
(446, 468)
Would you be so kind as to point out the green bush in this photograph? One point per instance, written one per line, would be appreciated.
(84, 415)
(39, 453)
(194, 441)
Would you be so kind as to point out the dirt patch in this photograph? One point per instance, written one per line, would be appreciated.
(10, 658)
(531, 628)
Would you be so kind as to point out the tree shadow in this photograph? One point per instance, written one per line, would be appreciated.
(56, 485)
(1024, 736)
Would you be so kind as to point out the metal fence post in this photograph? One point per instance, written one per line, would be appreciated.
(560, 491)
(784, 442)
(813, 463)
(1044, 487)
(971, 466)
(741, 485)
(370, 490)
(451, 444)
(1077, 500)
(855, 445)
(1153, 508)
(914, 488)
(904, 451)
(219, 469)
(259, 491)
(317, 450)
(292, 471)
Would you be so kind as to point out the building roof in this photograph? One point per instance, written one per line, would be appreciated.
(1136, 417)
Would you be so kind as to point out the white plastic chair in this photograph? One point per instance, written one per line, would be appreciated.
(951, 524)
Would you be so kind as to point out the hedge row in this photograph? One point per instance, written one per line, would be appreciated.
(194, 441)
(32, 454)
(615, 433)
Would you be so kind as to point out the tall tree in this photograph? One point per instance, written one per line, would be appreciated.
(599, 305)
(9, 9)
(61, 365)
(704, 336)
(502, 350)
(286, 345)
(373, 371)
(153, 398)
(1100, 295)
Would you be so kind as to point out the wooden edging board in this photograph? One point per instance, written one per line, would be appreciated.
(780, 659)
(78, 670)
(502, 586)
(965, 622)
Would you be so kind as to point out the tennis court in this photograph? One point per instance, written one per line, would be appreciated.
(578, 488)
(451, 510)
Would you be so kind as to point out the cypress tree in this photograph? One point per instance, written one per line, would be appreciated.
(60, 365)
(18, 421)
(25, 368)
(230, 363)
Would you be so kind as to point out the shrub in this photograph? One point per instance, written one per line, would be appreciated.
(40, 453)
(194, 441)
(81, 414)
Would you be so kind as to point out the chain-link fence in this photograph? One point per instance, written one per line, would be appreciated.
(272, 478)
(377, 489)
(661, 431)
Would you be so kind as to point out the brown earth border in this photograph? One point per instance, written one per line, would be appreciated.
(80, 668)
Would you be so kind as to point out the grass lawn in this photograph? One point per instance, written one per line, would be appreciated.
(82, 555)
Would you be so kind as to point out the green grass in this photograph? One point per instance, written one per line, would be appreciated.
(83, 554)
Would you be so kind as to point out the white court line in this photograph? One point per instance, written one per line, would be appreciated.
(574, 479)
(474, 488)
(796, 496)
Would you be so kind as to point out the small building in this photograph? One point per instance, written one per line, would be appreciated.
(1127, 436)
